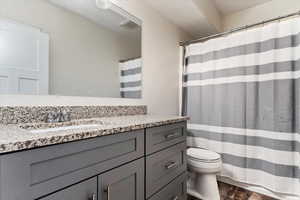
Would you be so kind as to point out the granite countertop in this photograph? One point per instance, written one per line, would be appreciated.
(27, 136)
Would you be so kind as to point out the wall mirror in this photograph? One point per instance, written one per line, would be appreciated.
(69, 48)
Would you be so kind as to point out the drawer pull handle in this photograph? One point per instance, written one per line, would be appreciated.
(107, 190)
(169, 136)
(175, 198)
(171, 165)
(93, 197)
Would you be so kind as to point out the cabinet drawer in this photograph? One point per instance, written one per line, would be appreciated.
(164, 166)
(176, 190)
(86, 190)
(162, 137)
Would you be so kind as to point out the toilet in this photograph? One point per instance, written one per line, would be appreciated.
(203, 167)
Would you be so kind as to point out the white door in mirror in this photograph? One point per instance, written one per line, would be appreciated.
(24, 59)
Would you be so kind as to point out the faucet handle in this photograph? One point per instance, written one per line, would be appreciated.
(60, 116)
(51, 117)
(66, 116)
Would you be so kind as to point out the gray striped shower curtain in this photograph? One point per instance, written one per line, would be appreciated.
(131, 78)
(242, 94)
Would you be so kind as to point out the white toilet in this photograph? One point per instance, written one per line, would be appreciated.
(203, 167)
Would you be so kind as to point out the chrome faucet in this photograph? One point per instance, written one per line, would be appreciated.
(60, 116)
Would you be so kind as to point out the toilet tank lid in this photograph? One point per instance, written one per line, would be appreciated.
(203, 154)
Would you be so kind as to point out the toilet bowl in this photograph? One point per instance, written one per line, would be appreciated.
(203, 167)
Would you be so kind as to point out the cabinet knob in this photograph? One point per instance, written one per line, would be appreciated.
(175, 198)
(172, 135)
(107, 191)
(171, 165)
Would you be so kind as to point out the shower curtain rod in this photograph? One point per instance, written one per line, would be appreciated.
(236, 29)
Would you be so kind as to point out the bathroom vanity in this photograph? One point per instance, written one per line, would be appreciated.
(89, 49)
(129, 158)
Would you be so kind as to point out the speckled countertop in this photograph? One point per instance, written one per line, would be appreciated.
(27, 136)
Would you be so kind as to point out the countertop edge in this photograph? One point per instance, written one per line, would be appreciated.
(24, 145)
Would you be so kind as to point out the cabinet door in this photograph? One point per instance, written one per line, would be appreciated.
(86, 190)
(126, 182)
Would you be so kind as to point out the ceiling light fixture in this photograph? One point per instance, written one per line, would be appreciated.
(103, 4)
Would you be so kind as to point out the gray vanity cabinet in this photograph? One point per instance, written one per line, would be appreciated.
(143, 164)
(123, 183)
(86, 190)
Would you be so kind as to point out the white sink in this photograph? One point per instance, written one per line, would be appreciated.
(65, 128)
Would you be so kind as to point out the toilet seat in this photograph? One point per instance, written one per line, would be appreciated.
(204, 161)
(203, 155)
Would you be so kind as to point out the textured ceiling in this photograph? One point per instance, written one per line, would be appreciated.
(230, 6)
(185, 14)
(198, 17)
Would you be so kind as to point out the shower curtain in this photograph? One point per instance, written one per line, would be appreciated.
(242, 94)
(131, 78)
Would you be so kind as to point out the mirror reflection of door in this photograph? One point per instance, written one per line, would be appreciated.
(68, 48)
(24, 59)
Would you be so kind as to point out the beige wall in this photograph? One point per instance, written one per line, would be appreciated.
(161, 61)
(83, 56)
(161, 57)
(261, 12)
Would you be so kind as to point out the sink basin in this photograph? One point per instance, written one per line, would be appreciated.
(65, 128)
(61, 126)
(70, 125)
